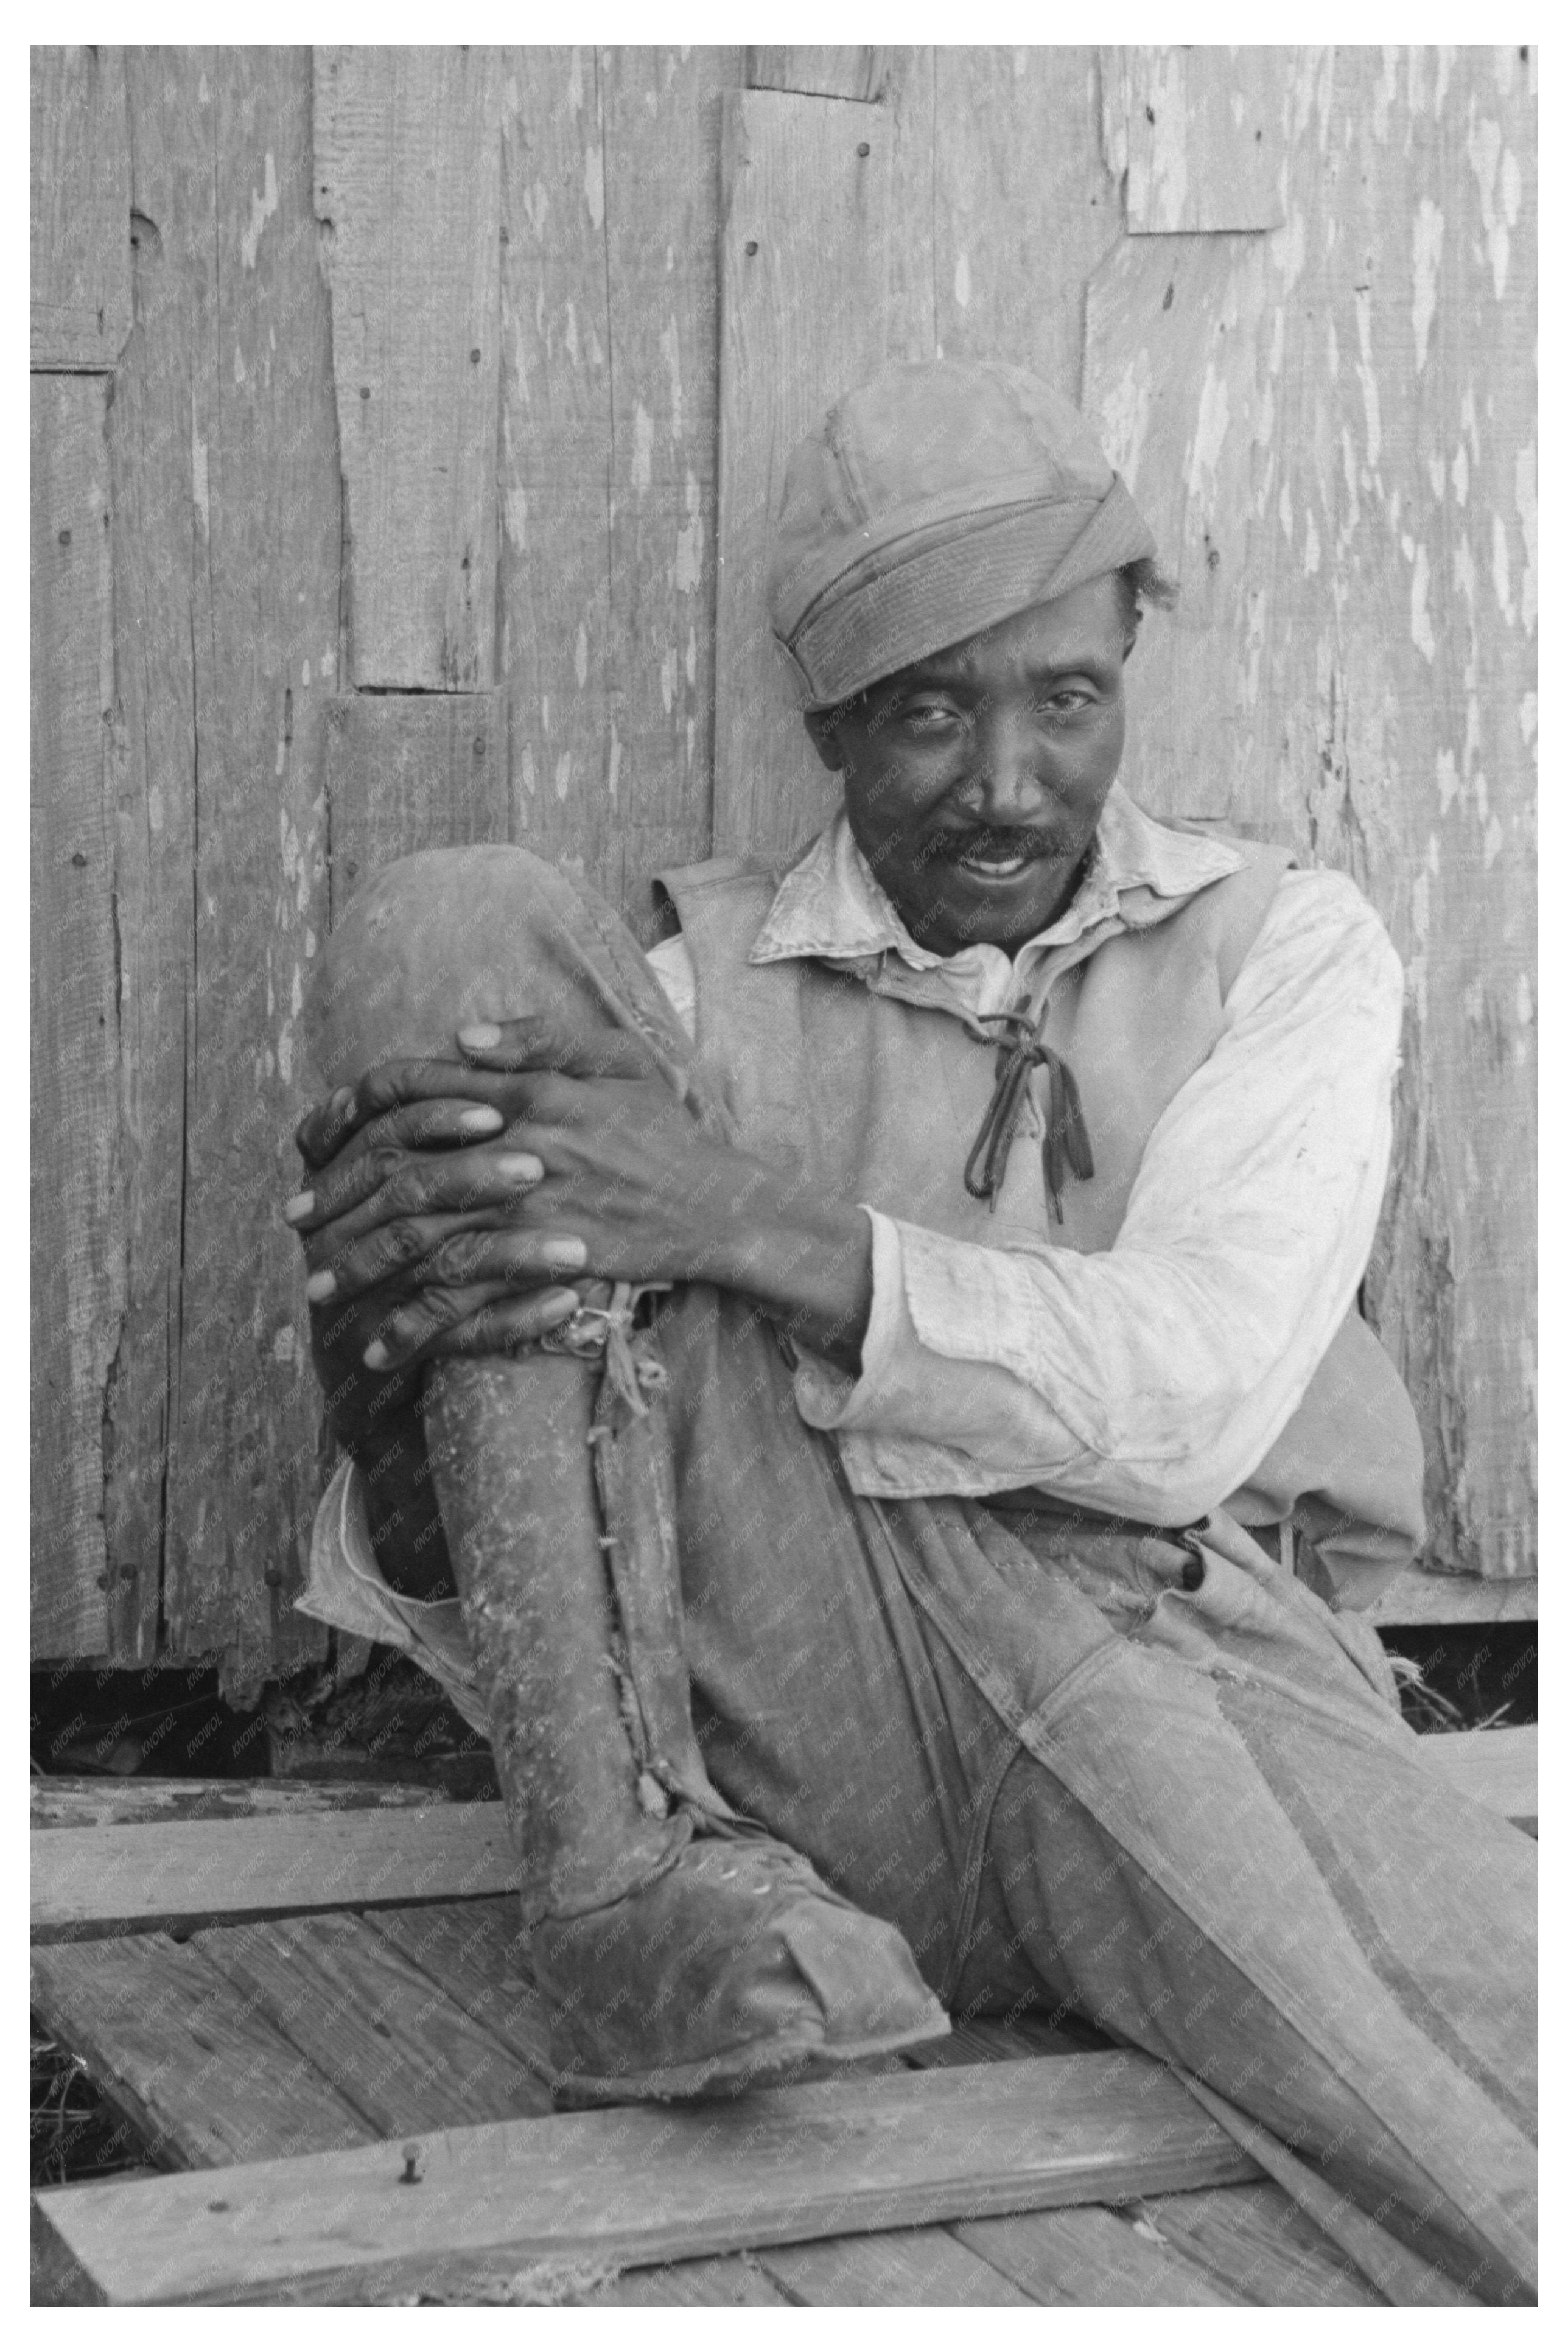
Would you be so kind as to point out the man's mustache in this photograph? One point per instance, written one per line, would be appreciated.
(986, 842)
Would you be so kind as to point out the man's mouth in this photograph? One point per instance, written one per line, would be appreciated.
(992, 857)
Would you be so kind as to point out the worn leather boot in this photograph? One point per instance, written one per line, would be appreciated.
(680, 1949)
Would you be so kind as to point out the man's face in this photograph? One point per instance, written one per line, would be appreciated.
(975, 778)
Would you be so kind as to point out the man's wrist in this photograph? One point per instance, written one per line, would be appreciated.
(806, 1259)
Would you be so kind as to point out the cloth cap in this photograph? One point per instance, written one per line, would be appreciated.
(935, 501)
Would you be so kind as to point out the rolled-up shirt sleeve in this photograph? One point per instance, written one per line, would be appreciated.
(1150, 1378)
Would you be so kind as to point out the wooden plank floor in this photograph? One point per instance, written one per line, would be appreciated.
(289, 2036)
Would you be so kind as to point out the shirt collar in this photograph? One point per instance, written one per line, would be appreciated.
(831, 905)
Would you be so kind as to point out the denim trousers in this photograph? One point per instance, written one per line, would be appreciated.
(1081, 1766)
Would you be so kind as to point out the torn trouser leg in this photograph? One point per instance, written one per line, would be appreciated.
(677, 1948)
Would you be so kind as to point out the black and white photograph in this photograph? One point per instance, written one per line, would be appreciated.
(783, 1216)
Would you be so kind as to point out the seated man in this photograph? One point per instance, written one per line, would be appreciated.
(808, 1391)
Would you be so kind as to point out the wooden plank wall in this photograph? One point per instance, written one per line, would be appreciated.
(379, 395)
(220, 485)
(379, 514)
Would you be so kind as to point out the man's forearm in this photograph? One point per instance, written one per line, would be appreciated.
(806, 1259)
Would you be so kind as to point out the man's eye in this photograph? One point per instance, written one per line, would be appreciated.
(1066, 702)
(928, 718)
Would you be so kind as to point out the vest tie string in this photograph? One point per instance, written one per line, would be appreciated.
(1022, 1049)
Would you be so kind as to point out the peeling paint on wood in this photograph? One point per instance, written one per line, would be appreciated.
(1332, 430)
(828, 273)
(1164, 318)
(80, 209)
(408, 188)
(555, 432)
(609, 427)
(1019, 148)
(663, 111)
(1201, 134)
(78, 1232)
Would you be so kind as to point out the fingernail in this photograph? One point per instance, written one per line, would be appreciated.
(483, 1121)
(519, 1168)
(340, 1100)
(560, 1303)
(376, 1356)
(320, 1286)
(480, 1034)
(300, 1206)
(567, 1251)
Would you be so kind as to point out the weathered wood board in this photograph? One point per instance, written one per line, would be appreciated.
(202, 2072)
(225, 539)
(639, 2184)
(408, 771)
(478, 1952)
(470, 2280)
(1201, 134)
(663, 111)
(819, 73)
(1026, 207)
(78, 1235)
(72, 1801)
(1412, 1598)
(734, 2280)
(188, 1874)
(1259, 2242)
(1150, 351)
(1332, 430)
(608, 440)
(227, 528)
(156, 429)
(827, 274)
(394, 2043)
(890, 2266)
(407, 187)
(1087, 2255)
(556, 433)
(79, 208)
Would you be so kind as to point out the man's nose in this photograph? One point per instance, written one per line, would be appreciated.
(1008, 786)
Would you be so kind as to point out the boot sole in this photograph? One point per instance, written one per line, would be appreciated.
(732, 2073)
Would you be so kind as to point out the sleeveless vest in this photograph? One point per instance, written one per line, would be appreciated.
(858, 1078)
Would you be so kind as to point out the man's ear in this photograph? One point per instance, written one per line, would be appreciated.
(820, 727)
